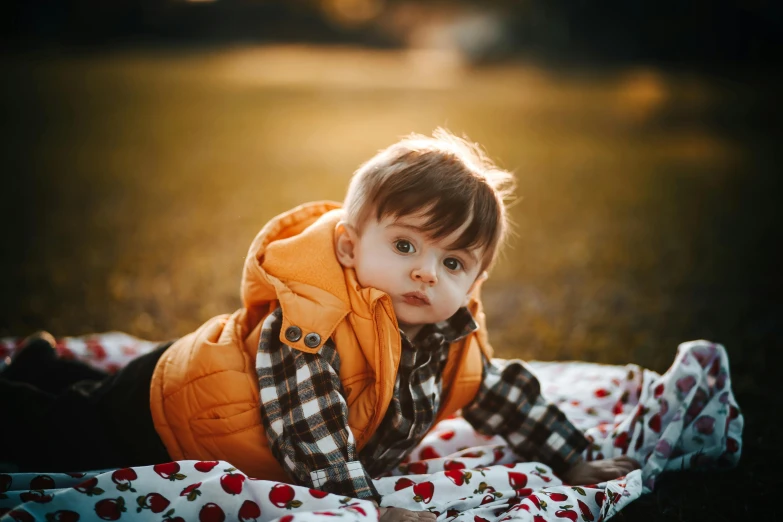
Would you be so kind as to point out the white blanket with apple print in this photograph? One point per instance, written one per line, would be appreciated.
(685, 418)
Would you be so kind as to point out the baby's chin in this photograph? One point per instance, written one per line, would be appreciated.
(406, 319)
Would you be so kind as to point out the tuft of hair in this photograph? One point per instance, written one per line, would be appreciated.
(448, 179)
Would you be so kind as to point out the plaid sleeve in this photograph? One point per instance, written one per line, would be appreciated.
(509, 403)
(306, 417)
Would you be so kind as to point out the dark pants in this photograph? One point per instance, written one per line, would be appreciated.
(67, 416)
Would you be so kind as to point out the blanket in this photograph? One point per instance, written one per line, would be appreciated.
(686, 418)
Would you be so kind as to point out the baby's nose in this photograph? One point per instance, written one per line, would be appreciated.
(425, 275)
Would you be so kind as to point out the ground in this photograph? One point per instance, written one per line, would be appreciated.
(647, 209)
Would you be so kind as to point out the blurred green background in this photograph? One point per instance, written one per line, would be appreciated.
(143, 149)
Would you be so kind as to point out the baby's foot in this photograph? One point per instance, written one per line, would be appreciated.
(392, 514)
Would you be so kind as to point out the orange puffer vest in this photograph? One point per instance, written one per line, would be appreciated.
(204, 392)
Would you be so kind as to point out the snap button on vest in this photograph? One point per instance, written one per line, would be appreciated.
(293, 333)
(312, 340)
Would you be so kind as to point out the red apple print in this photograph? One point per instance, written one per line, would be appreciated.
(89, 487)
(282, 496)
(42, 482)
(599, 498)
(538, 518)
(601, 393)
(537, 502)
(124, 475)
(452, 513)
(479, 519)
(155, 502)
(497, 454)
(487, 499)
(664, 404)
(655, 423)
(5, 482)
(457, 476)
(453, 464)
(403, 483)
(35, 496)
(621, 441)
(417, 468)
(96, 349)
(618, 408)
(205, 466)
(566, 513)
(169, 470)
(211, 513)
(110, 508)
(286, 518)
(62, 515)
(685, 384)
(472, 454)
(317, 493)
(191, 492)
(249, 510)
(447, 435)
(428, 452)
(705, 425)
(658, 391)
(20, 515)
(539, 475)
(733, 412)
(517, 480)
(355, 507)
(585, 510)
(423, 492)
(558, 497)
(523, 492)
(732, 446)
(232, 483)
(124, 478)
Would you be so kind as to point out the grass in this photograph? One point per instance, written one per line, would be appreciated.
(135, 180)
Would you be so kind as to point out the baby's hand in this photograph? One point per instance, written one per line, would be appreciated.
(393, 514)
(599, 470)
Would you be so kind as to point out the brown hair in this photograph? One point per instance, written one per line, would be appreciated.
(448, 178)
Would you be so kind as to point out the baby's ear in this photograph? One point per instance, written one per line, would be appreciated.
(345, 239)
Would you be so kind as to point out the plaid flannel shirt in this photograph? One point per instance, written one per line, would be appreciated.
(306, 417)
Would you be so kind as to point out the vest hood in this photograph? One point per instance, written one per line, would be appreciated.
(292, 261)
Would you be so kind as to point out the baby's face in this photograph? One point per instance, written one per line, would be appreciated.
(426, 281)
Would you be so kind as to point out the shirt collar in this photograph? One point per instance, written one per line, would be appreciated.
(433, 335)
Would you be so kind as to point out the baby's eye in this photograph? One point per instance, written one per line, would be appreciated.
(404, 246)
(452, 263)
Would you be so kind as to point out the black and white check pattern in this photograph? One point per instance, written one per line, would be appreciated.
(417, 393)
(306, 417)
(509, 403)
